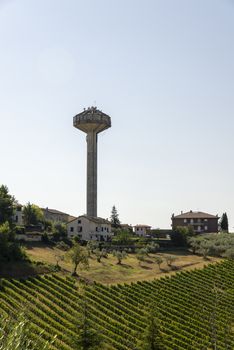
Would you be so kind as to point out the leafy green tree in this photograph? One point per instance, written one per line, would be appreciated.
(33, 215)
(181, 235)
(229, 253)
(205, 248)
(123, 237)
(152, 338)
(114, 218)
(59, 231)
(100, 253)
(170, 259)
(10, 249)
(224, 222)
(92, 246)
(158, 261)
(141, 254)
(6, 205)
(79, 257)
(120, 256)
(153, 247)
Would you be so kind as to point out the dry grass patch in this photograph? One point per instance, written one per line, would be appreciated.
(109, 272)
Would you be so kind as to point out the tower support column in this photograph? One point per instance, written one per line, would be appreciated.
(92, 173)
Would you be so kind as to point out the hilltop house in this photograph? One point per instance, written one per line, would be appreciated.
(201, 222)
(18, 217)
(141, 230)
(56, 215)
(89, 228)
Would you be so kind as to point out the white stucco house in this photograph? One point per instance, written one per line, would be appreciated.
(141, 230)
(18, 216)
(89, 228)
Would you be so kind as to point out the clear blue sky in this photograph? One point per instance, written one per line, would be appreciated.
(163, 70)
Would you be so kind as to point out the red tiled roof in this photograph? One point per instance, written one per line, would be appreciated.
(195, 215)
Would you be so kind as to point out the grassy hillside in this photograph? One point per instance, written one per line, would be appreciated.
(108, 272)
(194, 308)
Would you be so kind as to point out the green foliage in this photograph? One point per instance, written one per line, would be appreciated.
(158, 261)
(181, 235)
(79, 257)
(170, 259)
(92, 246)
(120, 256)
(100, 253)
(87, 337)
(152, 247)
(10, 249)
(6, 205)
(229, 253)
(152, 338)
(62, 246)
(15, 335)
(33, 215)
(123, 237)
(114, 218)
(141, 254)
(224, 222)
(212, 244)
(192, 310)
(59, 231)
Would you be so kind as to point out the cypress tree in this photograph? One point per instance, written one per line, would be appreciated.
(224, 222)
(115, 217)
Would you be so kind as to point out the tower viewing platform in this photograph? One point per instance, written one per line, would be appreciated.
(92, 122)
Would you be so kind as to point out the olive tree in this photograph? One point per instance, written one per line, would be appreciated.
(78, 257)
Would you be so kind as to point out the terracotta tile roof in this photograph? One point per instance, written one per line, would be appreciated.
(94, 219)
(53, 211)
(195, 215)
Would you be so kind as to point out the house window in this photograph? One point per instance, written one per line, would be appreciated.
(79, 221)
(107, 229)
(205, 220)
(96, 229)
(102, 229)
(191, 221)
(185, 220)
(16, 218)
(71, 229)
(79, 229)
(206, 228)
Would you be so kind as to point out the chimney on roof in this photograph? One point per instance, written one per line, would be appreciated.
(191, 211)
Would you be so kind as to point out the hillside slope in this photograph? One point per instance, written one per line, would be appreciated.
(194, 308)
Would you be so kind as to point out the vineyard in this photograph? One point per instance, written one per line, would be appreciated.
(195, 310)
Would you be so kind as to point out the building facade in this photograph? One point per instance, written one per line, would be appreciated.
(55, 215)
(141, 230)
(89, 228)
(199, 221)
(18, 216)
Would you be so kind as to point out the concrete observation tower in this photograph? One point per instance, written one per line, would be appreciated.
(92, 122)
